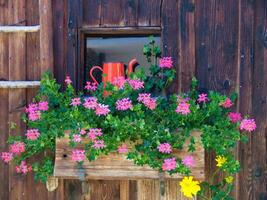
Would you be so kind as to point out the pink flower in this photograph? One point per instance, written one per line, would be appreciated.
(183, 108)
(33, 112)
(94, 132)
(166, 62)
(43, 105)
(68, 80)
(202, 98)
(119, 82)
(17, 147)
(248, 125)
(32, 134)
(76, 138)
(101, 109)
(99, 144)
(146, 99)
(227, 103)
(34, 116)
(90, 86)
(7, 156)
(75, 101)
(23, 168)
(90, 103)
(32, 107)
(182, 99)
(169, 164)
(124, 104)
(78, 155)
(188, 161)
(82, 132)
(136, 84)
(123, 148)
(165, 148)
(234, 117)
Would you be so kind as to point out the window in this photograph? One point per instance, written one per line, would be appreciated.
(114, 49)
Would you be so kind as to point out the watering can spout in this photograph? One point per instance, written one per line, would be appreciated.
(132, 64)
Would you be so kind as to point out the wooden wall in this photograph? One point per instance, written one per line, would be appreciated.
(222, 42)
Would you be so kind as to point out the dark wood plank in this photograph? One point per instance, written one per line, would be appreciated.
(112, 13)
(130, 10)
(169, 35)
(259, 100)
(245, 66)
(187, 43)
(149, 12)
(92, 13)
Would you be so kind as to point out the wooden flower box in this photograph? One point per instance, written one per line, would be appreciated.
(116, 166)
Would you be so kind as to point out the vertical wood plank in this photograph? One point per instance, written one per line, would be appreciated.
(124, 190)
(46, 35)
(112, 13)
(130, 12)
(245, 66)
(149, 12)
(148, 190)
(92, 13)
(170, 43)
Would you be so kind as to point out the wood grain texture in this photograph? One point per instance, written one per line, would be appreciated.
(92, 13)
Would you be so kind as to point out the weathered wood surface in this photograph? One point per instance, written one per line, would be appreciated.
(19, 29)
(116, 166)
(19, 84)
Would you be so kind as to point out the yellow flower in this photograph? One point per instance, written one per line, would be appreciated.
(221, 160)
(229, 179)
(189, 187)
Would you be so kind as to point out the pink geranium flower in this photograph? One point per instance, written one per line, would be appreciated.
(99, 144)
(75, 102)
(91, 86)
(146, 99)
(165, 148)
(94, 133)
(23, 168)
(188, 161)
(76, 138)
(136, 84)
(234, 117)
(68, 80)
(82, 132)
(124, 104)
(166, 62)
(123, 148)
(101, 109)
(7, 156)
(248, 125)
(78, 155)
(169, 164)
(119, 82)
(33, 112)
(202, 98)
(43, 106)
(90, 103)
(183, 108)
(227, 103)
(34, 116)
(32, 134)
(17, 147)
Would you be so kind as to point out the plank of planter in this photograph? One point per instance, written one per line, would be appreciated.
(116, 166)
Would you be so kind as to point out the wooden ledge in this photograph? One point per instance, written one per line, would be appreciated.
(19, 84)
(19, 29)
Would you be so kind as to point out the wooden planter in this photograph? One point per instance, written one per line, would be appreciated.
(116, 166)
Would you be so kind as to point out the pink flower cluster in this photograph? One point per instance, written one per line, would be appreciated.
(123, 148)
(165, 148)
(146, 99)
(68, 80)
(119, 82)
(76, 101)
(227, 103)
(43, 106)
(17, 148)
(166, 62)
(188, 161)
(101, 109)
(23, 168)
(34, 109)
(82, 132)
(94, 133)
(90, 103)
(183, 108)
(248, 125)
(76, 138)
(6, 156)
(32, 134)
(169, 164)
(92, 86)
(99, 144)
(202, 98)
(124, 104)
(78, 155)
(234, 117)
(136, 84)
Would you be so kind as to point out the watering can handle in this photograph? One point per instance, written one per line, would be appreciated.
(91, 73)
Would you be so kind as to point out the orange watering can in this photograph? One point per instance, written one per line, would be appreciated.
(113, 70)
